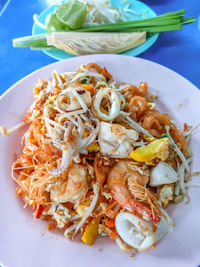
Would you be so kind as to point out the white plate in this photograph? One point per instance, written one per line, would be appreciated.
(25, 243)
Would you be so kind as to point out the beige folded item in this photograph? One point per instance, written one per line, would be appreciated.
(84, 43)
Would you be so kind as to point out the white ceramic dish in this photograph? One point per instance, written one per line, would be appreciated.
(25, 243)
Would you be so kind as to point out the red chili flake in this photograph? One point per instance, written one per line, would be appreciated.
(39, 210)
(185, 127)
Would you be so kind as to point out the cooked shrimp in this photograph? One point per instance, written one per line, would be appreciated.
(71, 189)
(103, 71)
(116, 181)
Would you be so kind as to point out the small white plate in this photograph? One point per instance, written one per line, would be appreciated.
(26, 243)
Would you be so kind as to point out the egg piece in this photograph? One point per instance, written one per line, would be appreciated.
(115, 140)
(151, 151)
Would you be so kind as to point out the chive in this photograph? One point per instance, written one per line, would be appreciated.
(179, 12)
(188, 20)
(147, 25)
(111, 26)
(158, 29)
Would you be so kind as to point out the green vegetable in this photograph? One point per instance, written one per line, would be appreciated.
(39, 40)
(84, 81)
(167, 22)
(74, 17)
(72, 14)
(53, 24)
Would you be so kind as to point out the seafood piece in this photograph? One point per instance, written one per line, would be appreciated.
(116, 181)
(69, 146)
(72, 99)
(115, 140)
(141, 234)
(54, 130)
(63, 138)
(68, 138)
(91, 125)
(161, 174)
(112, 98)
(125, 247)
(71, 189)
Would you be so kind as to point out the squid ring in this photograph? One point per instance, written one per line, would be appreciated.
(140, 234)
(67, 99)
(115, 104)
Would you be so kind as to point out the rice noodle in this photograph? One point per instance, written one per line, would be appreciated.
(178, 151)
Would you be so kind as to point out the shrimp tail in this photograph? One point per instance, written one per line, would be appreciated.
(146, 213)
(135, 207)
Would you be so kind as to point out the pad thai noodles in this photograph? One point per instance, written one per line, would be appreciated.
(99, 160)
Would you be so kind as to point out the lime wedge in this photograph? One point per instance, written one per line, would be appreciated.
(72, 14)
(53, 24)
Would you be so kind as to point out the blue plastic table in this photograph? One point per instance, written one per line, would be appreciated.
(178, 50)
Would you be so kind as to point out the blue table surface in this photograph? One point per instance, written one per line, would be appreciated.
(179, 51)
